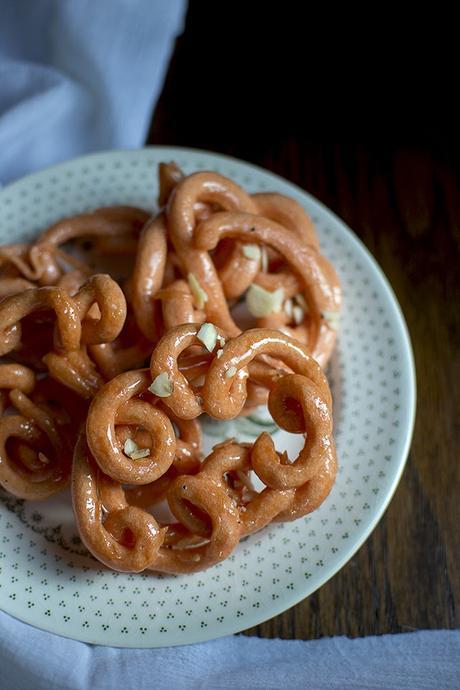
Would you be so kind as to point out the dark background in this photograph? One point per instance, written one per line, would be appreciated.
(362, 112)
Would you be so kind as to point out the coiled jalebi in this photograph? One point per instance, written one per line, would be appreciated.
(36, 441)
(220, 302)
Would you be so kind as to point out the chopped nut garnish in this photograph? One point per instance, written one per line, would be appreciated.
(141, 453)
(245, 480)
(43, 458)
(208, 336)
(298, 314)
(261, 302)
(198, 293)
(251, 251)
(130, 447)
(162, 386)
(302, 302)
(219, 353)
(332, 318)
(132, 450)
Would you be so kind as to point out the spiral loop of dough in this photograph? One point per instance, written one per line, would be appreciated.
(78, 342)
(41, 262)
(105, 226)
(299, 403)
(103, 291)
(183, 401)
(236, 271)
(224, 395)
(224, 389)
(319, 280)
(41, 466)
(69, 362)
(129, 539)
(15, 307)
(205, 188)
(213, 513)
(116, 403)
(261, 508)
(30, 263)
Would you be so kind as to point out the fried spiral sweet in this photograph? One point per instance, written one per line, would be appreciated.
(116, 403)
(222, 301)
(209, 188)
(317, 276)
(36, 441)
(129, 538)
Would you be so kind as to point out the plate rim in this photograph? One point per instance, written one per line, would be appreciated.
(298, 595)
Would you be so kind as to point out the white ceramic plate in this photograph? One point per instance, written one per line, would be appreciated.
(46, 577)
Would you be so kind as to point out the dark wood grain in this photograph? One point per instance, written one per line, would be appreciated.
(381, 152)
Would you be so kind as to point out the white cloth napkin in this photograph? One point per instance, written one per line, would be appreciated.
(79, 76)
(31, 659)
(83, 75)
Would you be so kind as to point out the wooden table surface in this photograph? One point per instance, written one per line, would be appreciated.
(391, 171)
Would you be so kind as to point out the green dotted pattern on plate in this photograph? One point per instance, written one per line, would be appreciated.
(46, 576)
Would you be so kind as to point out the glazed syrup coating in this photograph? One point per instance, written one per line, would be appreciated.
(104, 377)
